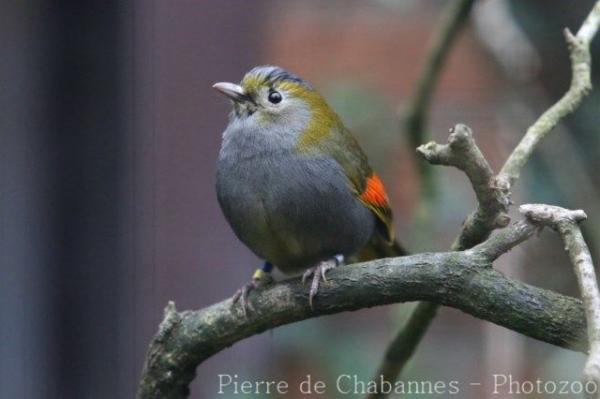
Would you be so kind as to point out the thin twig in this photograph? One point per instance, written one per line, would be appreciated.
(415, 114)
(581, 84)
(566, 223)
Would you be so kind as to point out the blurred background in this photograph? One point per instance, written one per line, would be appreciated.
(109, 135)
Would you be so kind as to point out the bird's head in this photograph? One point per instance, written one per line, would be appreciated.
(272, 95)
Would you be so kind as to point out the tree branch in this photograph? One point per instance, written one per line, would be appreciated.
(415, 113)
(504, 240)
(581, 84)
(481, 223)
(464, 280)
(493, 199)
(566, 223)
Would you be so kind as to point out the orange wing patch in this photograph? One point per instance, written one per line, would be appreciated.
(375, 198)
(374, 192)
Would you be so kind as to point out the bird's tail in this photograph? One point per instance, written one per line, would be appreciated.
(379, 247)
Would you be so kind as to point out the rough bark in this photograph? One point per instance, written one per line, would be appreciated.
(463, 280)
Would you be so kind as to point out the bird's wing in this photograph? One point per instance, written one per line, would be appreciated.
(374, 197)
(364, 182)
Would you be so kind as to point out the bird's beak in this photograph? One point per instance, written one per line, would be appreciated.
(231, 90)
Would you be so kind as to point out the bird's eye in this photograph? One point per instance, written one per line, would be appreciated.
(275, 97)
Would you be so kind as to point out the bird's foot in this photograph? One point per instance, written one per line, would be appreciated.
(261, 278)
(318, 273)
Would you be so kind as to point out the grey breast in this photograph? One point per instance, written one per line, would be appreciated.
(291, 209)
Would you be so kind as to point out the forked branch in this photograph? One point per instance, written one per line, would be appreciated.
(566, 223)
(493, 198)
(464, 280)
(480, 224)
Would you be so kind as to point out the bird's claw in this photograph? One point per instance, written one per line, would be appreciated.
(241, 295)
(318, 273)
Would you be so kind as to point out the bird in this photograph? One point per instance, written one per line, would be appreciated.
(293, 182)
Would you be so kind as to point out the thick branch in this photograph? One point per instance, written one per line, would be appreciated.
(566, 223)
(464, 280)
